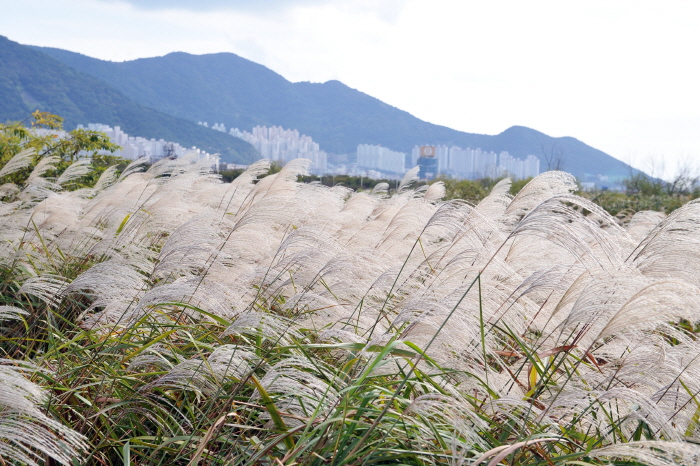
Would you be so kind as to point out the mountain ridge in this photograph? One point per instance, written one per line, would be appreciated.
(226, 88)
(30, 80)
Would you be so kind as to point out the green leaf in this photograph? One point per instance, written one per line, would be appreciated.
(121, 225)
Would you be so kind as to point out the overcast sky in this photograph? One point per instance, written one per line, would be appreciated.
(622, 76)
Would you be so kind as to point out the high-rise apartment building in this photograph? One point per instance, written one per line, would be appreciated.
(134, 147)
(381, 158)
(517, 168)
(476, 163)
(277, 143)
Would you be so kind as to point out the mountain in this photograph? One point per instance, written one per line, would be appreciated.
(31, 80)
(226, 88)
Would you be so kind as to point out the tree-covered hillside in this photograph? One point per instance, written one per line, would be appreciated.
(30, 80)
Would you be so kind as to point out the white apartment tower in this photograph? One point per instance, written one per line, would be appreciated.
(277, 143)
(134, 147)
(476, 163)
(381, 158)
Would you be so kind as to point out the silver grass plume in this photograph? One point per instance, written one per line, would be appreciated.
(11, 313)
(36, 186)
(205, 376)
(45, 164)
(551, 278)
(107, 179)
(28, 435)
(435, 192)
(252, 173)
(47, 288)
(75, 171)
(134, 167)
(8, 190)
(539, 189)
(498, 200)
(652, 453)
(409, 178)
(301, 388)
(22, 160)
(381, 189)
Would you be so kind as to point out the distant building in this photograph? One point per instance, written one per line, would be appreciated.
(381, 159)
(428, 168)
(519, 169)
(429, 162)
(137, 147)
(476, 163)
(461, 162)
(277, 143)
(235, 166)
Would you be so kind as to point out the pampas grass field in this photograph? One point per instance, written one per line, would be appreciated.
(163, 317)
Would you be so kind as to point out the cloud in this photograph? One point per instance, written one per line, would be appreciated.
(386, 10)
(213, 5)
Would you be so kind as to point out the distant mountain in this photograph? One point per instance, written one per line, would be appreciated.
(225, 88)
(31, 80)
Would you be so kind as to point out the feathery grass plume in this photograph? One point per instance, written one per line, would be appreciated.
(21, 160)
(11, 312)
(382, 189)
(409, 178)
(56, 214)
(36, 187)
(75, 171)
(163, 302)
(654, 306)
(28, 435)
(189, 248)
(8, 190)
(44, 165)
(652, 453)
(498, 200)
(671, 248)
(134, 167)
(107, 179)
(292, 170)
(326, 326)
(641, 224)
(583, 237)
(455, 414)
(540, 188)
(156, 356)
(254, 171)
(113, 287)
(303, 388)
(47, 288)
(205, 377)
(273, 328)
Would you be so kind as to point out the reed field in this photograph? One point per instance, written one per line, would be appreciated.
(163, 317)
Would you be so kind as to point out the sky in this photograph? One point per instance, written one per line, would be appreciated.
(620, 75)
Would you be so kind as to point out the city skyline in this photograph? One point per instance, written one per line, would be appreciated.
(280, 144)
(135, 147)
(372, 161)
